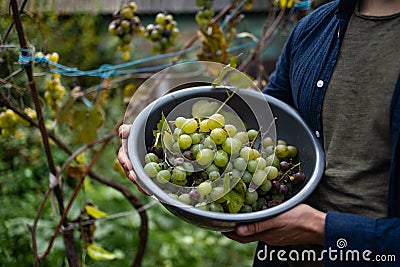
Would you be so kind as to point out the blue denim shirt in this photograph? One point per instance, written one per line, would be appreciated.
(301, 77)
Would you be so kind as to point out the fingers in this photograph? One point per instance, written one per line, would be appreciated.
(123, 131)
(124, 160)
(258, 227)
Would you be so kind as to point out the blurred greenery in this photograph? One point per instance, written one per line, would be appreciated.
(82, 41)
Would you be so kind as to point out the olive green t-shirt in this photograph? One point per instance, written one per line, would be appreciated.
(355, 120)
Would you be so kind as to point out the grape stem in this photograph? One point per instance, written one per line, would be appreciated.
(255, 138)
(291, 168)
(230, 95)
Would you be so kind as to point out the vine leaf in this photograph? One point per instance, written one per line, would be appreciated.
(84, 123)
(77, 171)
(94, 212)
(213, 44)
(204, 108)
(100, 254)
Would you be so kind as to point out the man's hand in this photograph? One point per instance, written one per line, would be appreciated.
(298, 226)
(123, 159)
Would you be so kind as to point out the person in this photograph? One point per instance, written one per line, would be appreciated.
(340, 68)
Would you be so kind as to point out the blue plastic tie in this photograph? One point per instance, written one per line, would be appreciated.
(106, 71)
(302, 5)
(25, 60)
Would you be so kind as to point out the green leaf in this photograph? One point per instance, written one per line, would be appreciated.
(84, 123)
(204, 108)
(234, 202)
(100, 254)
(94, 212)
(233, 60)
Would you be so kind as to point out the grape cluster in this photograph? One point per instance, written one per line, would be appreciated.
(9, 121)
(221, 166)
(125, 25)
(163, 33)
(54, 94)
(203, 17)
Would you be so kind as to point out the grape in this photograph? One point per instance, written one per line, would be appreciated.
(292, 151)
(184, 141)
(232, 145)
(151, 157)
(284, 166)
(190, 126)
(179, 122)
(281, 142)
(195, 149)
(259, 177)
(217, 193)
(163, 176)
(266, 186)
(299, 177)
(214, 175)
(269, 150)
(221, 158)
(267, 141)
(160, 18)
(229, 167)
(246, 209)
(272, 172)
(177, 133)
(272, 160)
(209, 143)
(188, 167)
(212, 168)
(261, 163)
(247, 176)
(254, 154)
(204, 126)
(242, 136)
(216, 121)
(240, 164)
(151, 169)
(245, 153)
(281, 151)
(252, 166)
(179, 173)
(218, 135)
(204, 188)
(251, 134)
(205, 156)
(196, 138)
(216, 207)
(185, 198)
(188, 155)
(230, 129)
(251, 197)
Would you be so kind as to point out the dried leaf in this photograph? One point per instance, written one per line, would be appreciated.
(100, 254)
(94, 212)
(77, 171)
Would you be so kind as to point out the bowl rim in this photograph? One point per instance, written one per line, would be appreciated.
(165, 199)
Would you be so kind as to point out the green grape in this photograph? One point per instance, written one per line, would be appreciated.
(259, 177)
(195, 149)
(272, 160)
(163, 176)
(204, 126)
(204, 188)
(236, 174)
(151, 157)
(269, 150)
(217, 194)
(205, 156)
(246, 209)
(216, 121)
(247, 176)
(267, 141)
(185, 198)
(251, 134)
(190, 126)
(266, 186)
(126, 13)
(245, 153)
(188, 167)
(218, 135)
(202, 206)
(179, 122)
(240, 164)
(252, 166)
(292, 151)
(151, 169)
(196, 138)
(221, 158)
(272, 172)
(229, 167)
(209, 143)
(254, 154)
(212, 168)
(184, 141)
(281, 142)
(261, 163)
(242, 136)
(230, 129)
(216, 207)
(251, 197)
(214, 175)
(177, 133)
(281, 151)
(232, 145)
(179, 173)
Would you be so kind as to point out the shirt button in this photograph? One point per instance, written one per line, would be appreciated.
(320, 83)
